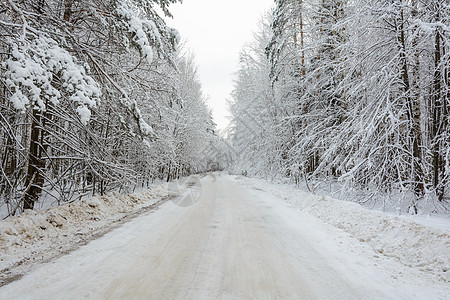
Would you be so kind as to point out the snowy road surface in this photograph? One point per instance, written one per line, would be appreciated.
(234, 243)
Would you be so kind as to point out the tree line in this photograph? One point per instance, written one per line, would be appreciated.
(350, 91)
(95, 95)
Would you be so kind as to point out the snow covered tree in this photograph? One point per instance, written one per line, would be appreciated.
(257, 133)
(88, 89)
(362, 95)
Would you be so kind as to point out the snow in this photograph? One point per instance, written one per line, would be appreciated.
(245, 238)
(139, 28)
(84, 113)
(141, 38)
(30, 76)
(36, 236)
(19, 100)
(145, 128)
(419, 243)
(429, 220)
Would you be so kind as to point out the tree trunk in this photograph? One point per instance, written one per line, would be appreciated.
(168, 172)
(413, 105)
(302, 40)
(34, 178)
(445, 121)
(67, 10)
(437, 118)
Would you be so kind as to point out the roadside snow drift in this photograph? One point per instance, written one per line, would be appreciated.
(40, 235)
(272, 241)
(415, 245)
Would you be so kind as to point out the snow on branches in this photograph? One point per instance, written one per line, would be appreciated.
(362, 97)
(145, 33)
(90, 101)
(39, 71)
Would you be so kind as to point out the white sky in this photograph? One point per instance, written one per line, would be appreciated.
(216, 31)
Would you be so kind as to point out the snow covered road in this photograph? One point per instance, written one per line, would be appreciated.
(234, 243)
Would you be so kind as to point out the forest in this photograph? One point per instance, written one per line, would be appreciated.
(95, 96)
(331, 181)
(349, 93)
(101, 95)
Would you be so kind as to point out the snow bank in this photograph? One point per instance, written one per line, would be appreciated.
(37, 236)
(414, 244)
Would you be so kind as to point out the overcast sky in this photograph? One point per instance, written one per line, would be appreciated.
(216, 31)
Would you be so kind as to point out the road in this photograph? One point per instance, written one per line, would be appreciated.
(234, 243)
